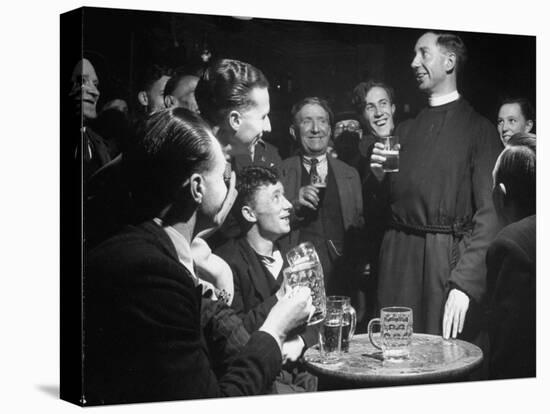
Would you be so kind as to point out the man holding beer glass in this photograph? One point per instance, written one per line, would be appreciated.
(325, 192)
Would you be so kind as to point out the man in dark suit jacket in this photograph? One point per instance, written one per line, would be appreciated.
(257, 265)
(326, 195)
(262, 153)
(511, 263)
(255, 258)
(143, 337)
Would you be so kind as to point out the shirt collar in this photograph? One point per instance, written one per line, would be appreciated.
(183, 249)
(260, 142)
(444, 99)
(320, 158)
(273, 263)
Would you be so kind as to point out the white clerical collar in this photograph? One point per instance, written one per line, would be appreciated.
(444, 99)
(183, 249)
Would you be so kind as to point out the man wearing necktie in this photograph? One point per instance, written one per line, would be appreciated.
(327, 220)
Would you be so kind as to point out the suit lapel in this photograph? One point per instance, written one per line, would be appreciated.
(255, 270)
(343, 180)
(291, 176)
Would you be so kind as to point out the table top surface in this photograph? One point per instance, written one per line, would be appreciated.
(431, 359)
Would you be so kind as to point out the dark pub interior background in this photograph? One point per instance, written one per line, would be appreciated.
(300, 58)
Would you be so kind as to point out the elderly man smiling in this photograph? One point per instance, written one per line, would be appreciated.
(324, 217)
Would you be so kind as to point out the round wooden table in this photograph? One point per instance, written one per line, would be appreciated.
(432, 360)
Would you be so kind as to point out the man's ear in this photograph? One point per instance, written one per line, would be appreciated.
(499, 197)
(234, 119)
(392, 108)
(292, 132)
(196, 187)
(528, 126)
(450, 62)
(143, 99)
(502, 188)
(169, 101)
(248, 214)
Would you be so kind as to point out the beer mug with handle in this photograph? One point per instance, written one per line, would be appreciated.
(306, 270)
(396, 330)
(349, 318)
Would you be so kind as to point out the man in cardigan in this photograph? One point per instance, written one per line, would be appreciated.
(325, 215)
(143, 335)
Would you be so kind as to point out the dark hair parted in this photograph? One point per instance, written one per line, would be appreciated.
(517, 171)
(225, 86)
(151, 74)
(359, 94)
(250, 179)
(454, 44)
(311, 100)
(178, 75)
(526, 107)
(171, 145)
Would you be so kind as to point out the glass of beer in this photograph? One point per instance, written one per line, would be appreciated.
(349, 317)
(330, 335)
(309, 274)
(396, 330)
(306, 270)
(391, 152)
(320, 184)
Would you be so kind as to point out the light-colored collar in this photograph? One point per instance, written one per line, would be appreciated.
(273, 263)
(182, 246)
(320, 158)
(444, 99)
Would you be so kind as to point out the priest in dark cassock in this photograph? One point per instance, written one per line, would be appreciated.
(440, 215)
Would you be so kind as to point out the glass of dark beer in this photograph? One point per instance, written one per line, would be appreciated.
(320, 184)
(391, 152)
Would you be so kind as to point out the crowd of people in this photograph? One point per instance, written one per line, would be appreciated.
(188, 217)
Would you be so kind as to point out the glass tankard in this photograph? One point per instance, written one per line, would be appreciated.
(306, 270)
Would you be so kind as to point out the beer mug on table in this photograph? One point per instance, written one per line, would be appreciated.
(349, 317)
(305, 270)
(330, 333)
(396, 329)
(391, 152)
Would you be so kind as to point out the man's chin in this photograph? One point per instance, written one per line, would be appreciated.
(315, 152)
(89, 113)
(383, 133)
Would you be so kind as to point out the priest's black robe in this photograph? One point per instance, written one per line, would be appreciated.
(440, 215)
